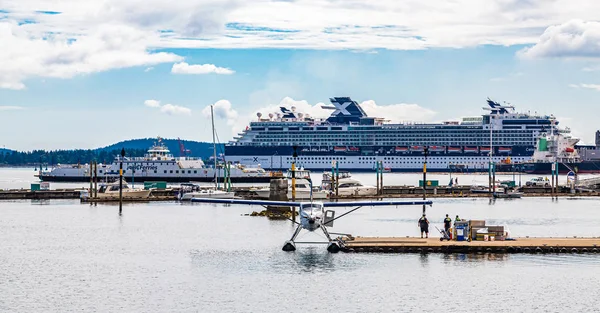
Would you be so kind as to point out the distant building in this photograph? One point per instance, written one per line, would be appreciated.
(598, 138)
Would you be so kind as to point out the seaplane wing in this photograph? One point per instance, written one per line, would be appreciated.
(375, 203)
(247, 202)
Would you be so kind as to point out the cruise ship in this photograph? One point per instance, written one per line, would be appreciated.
(357, 141)
(158, 164)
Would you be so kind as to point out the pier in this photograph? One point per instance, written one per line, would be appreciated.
(463, 191)
(434, 245)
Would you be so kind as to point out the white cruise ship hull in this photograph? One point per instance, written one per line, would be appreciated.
(393, 163)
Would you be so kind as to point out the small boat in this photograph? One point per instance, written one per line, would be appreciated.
(437, 148)
(486, 189)
(508, 195)
(111, 191)
(189, 191)
(347, 186)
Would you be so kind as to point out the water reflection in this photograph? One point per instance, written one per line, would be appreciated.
(40, 201)
(424, 258)
(475, 257)
(313, 259)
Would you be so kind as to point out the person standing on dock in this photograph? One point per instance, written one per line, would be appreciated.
(424, 225)
(447, 224)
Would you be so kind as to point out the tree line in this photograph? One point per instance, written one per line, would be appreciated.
(49, 158)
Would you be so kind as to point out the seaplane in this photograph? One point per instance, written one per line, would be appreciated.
(315, 216)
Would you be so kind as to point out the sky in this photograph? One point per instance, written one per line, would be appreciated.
(88, 73)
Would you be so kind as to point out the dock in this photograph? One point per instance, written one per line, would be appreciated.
(20, 194)
(434, 245)
(247, 192)
(25, 194)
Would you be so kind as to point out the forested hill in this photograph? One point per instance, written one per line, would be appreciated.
(196, 148)
(133, 148)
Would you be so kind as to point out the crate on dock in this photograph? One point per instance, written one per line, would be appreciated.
(474, 231)
(35, 187)
(477, 223)
(483, 236)
(44, 185)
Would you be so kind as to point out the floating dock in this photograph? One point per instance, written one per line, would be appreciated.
(434, 245)
(23, 194)
(248, 193)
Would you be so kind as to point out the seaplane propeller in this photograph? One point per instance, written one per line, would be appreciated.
(314, 215)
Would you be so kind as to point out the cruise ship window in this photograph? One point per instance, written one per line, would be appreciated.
(165, 171)
(154, 171)
(171, 171)
(195, 172)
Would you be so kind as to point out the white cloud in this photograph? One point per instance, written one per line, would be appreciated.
(10, 108)
(402, 112)
(91, 36)
(586, 86)
(222, 110)
(168, 108)
(152, 103)
(393, 112)
(148, 69)
(184, 68)
(354, 24)
(25, 54)
(172, 109)
(575, 38)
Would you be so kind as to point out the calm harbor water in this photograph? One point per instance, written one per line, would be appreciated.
(63, 256)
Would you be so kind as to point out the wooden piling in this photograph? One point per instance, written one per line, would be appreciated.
(95, 179)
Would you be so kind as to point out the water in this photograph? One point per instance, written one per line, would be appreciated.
(63, 256)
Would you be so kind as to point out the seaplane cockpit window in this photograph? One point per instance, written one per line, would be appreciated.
(311, 207)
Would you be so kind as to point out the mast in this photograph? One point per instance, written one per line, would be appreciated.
(491, 166)
(212, 118)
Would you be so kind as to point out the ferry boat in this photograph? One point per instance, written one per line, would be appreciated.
(158, 164)
(461, 144)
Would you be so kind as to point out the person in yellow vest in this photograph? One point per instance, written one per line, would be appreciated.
(447, 224)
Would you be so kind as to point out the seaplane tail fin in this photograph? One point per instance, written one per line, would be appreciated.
(376, 203)
(246, 202)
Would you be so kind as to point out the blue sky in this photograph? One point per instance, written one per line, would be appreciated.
(92, 74)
